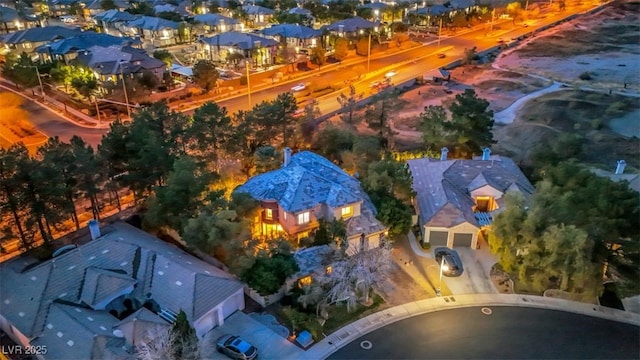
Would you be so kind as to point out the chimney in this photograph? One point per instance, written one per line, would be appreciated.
(620, 167)
(287, 157)
(486, 154)
(94, 229)
(443, 154)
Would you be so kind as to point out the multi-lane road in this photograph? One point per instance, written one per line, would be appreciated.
(407, 64)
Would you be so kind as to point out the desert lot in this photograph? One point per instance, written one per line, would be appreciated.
(580, 78)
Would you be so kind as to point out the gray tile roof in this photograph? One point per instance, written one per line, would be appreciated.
(85, 41)
(28, 295)
(100, 285)
(352, 24)
(257, 10)
(215, 19)
(292, 31)
(443, 187)
(72, 332)
(152, 23)
(307, 181)
(237, 39)
(114, 15)
(39, 34)
(8, 14)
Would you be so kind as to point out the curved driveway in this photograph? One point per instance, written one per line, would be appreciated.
(507, 333)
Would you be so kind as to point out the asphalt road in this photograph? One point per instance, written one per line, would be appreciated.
(51, 124)
(508, 333)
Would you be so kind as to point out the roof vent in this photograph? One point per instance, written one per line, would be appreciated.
(620, 167)
(486, 154)
(94, 229)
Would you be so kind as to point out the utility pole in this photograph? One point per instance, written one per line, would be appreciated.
(369, 54)
(95, 99)
(248, 83)
(124, 88)
(439, 32)
(40, 82)
(493, 14)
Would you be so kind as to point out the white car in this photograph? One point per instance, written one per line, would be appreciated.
(390, 74)
(299, 87)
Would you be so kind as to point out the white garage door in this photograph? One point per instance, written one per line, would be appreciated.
(462, 240)
(438, 238)
(230, 306)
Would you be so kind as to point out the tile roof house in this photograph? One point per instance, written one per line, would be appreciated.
(29, 39)
(308, 188)
(258, 16)
(113, 22)
(218, 47)
(294, 35)
(218, 23)
(101, 299)
(352, 25)
(109, 62)
(633, 179)
(69, 48)
(157, 31)
(457, 198)
(11, 20)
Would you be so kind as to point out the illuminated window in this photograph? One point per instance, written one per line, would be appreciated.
(329, 270)
(305, 281)
(485, 203)
(303, 218)
(347, 211)
(268, 214)
(285, 216)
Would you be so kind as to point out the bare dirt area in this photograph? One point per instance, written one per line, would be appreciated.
(400, 288)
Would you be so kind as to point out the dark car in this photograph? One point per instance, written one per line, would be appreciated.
(236, 348)
(452, 265)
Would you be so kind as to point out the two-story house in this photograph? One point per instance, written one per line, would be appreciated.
(12, 20)
(308, 188)
(456, 199)
(217, 23)
(260, 50)
(352, 27)
(29, 39)
(102, 299)
(258, 16)
(294, 36)
(154, 30)
(113, 22)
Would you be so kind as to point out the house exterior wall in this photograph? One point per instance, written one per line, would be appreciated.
(372, 241)
(215, 317)
(487, 191)
(463, 228)
(14, 333)
(336, 213)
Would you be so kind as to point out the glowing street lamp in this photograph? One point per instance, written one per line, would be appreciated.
(443, 268)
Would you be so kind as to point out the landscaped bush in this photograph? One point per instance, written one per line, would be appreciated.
(269, 273)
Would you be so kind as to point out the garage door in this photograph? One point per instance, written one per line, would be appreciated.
(230, 306)
(438, 238)
(462, 240)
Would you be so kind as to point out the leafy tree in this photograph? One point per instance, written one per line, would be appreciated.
(169, 15)
(341, 49)
(63, 74)
(288, 56)
(469, 56)
(12, 190)
(21, 70)
(141, 8)
(267, 158)
(331, 232)
(270, 271)
(205, 74)
(363, 45)
(349, 104)
(108, 5)
(214, 7)
(472, 122)
(148, 81)
(396, 215)
(89, 177)
(389, 176)
(159, 347)
(185, 341)
(433, 124)
(113, 156)
(164, 56)
(75, 8)
(318, 55)
(331, 141)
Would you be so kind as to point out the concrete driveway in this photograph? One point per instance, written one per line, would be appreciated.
(475, 278)
(270, 344)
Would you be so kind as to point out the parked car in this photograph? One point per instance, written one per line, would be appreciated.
(299, 87)
(390, 74)
(441, 56)
(236, 348)
(450, 260)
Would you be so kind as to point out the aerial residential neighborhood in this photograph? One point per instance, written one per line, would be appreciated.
(319, 179)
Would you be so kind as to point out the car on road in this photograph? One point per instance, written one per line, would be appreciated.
(390, 74)
(299, 87)
(450, 261)
(236, 348)
(442, 56)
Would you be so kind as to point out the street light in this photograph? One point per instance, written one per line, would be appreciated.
(439, 32)
(124, 88)
(248, 82)
(40, 82)
(443, 267)
(369, 53)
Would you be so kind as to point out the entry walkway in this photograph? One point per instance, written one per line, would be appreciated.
(347, 334)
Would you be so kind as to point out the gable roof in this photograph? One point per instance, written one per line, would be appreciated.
(163, 273)
(114, 15)
(292, 31)
(83, 42)
(8, 14)
(443, 187)
(352, 24)
(215, 19)
(107, 60)
(100, 285)
(257, 10)
(152, 23)
(237, 39)
(39, 34)
(300, 11)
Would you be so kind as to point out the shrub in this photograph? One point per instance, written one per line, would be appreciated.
(586, 76)
(426, 245)
(269, 273)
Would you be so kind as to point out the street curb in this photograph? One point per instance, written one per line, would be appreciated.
(348, 333)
